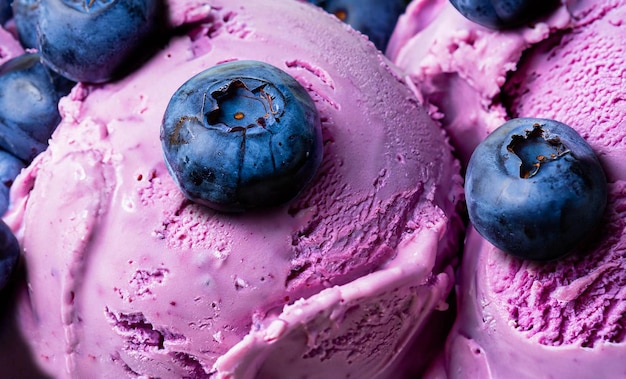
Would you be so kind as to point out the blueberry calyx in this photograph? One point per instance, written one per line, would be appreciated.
(534, 150)
(239, 108)
(88, 6)
(535, 189)
(341, 14)
(241, 135)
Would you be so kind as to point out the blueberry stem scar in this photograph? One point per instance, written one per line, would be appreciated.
(235, 96)
(534, 150)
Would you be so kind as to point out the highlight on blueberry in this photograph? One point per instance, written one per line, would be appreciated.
(29, 113)
(504, 14)
(98, 40)
(535, 189)
(9, 253)
(374, 18)
(241, 135)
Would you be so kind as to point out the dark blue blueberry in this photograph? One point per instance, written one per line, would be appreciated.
(241, 135)
(535, 189)
(29, 113)
(374, 18)
(97, 40)
(25, 16)
(9, 253)
(10, 166)
(5, 11)
(504, 14)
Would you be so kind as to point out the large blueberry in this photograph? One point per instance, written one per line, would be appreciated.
(25, 16)
(10, 167)
(9, 253)
(535, 189)
(374, 18)
(29, 113)
(504, 14)
(97, 40)
(241, 135)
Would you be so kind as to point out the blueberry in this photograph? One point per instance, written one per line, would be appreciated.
(374, 18)
(25, 16)
(504, 14)
(535, 189)
(29, 95)
(9, 253)
(97, 40)
(241, 135)
(5, 11)
(29, 113)
(10, 167)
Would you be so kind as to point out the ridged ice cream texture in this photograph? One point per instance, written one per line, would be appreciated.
(562, 319)
(126, 278)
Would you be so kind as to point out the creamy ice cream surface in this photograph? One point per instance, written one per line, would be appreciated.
(520, 318)
(127, 278)
(444, 54)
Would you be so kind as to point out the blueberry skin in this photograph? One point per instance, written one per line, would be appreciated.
(29, 113)
(241, 135)
(9, 253)
(374, 18)
(535, 189)
(5, 11)
(25, 16)
(10, 167)
(97, 40)
(504, 14)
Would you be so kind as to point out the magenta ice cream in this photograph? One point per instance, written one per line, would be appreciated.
(126, 278)
(9, 46)
(522, 319)
(461, 66)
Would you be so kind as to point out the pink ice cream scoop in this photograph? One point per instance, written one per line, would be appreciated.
(516, 318)
(127, 278)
